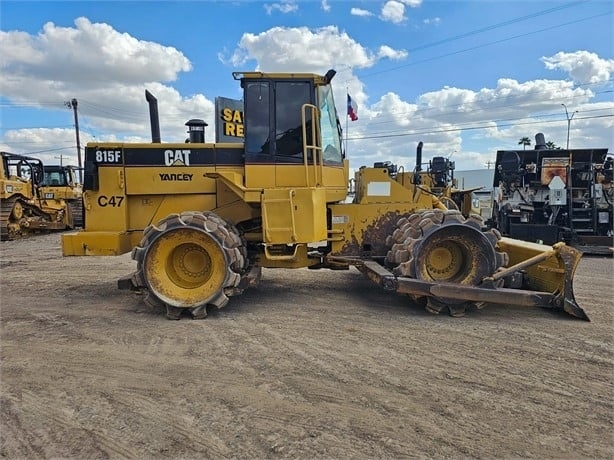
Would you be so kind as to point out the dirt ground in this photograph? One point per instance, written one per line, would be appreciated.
(311, 364)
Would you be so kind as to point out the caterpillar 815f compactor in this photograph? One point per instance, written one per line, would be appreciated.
(31, 202)
(202, 219)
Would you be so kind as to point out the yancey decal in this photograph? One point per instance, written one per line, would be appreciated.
(176, 177)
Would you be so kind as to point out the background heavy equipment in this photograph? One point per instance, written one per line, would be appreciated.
(553, 195)
(202, 219)
(30, 202)
(436, 177)
(60, 182)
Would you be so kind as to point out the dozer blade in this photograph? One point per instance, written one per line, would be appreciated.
(546, 269)
(541, 276)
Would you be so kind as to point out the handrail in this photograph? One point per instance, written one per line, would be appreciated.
(318, 160)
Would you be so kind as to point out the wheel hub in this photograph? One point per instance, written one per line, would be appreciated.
(455, 254)
(444, 261)
(193, 261)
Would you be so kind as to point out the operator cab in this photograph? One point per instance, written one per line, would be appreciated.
(56, 176)
(290, 120)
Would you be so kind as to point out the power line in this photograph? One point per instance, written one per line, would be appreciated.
(30, 103)
(8, 128)
(37, 142)
(494, 26)
(469, 128)
(422, 111)
(442, 113)
(409, 64)
(49, 150)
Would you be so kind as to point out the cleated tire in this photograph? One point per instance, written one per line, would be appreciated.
(189, 261)
(443, 246)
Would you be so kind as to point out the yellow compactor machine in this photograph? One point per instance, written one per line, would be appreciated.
(202, 219)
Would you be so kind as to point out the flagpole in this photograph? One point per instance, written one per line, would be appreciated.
(347, 124)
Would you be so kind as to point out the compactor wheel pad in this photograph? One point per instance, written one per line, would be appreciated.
(443, 246)
(188, 262)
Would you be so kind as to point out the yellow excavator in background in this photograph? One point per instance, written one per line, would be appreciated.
(202, 219)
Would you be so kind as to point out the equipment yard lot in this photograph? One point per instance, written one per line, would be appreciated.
(311, 364)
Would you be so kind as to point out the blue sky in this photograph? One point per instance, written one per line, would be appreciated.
(465, 77)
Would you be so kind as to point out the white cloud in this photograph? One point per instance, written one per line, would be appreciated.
(108, 71)
(301, 49)
(432, 21)
(508, 98)
(360, 12)
(391, 105)
(99, 52)
(446, 119)
(393, 11)
(325, 5)
(582, 66)
(283, 7)
(388, 52)
(32, 138)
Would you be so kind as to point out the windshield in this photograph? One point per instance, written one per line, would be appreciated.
(54, 178)
(331, 140)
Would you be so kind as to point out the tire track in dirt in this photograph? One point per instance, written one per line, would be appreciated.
(41, 413)
(15, 436)
(200, 440)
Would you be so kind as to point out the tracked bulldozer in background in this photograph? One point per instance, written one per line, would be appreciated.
(60, 182)
(552, 195)
(202, 219)
(28, 204)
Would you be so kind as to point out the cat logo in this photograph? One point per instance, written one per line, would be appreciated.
(177, 157)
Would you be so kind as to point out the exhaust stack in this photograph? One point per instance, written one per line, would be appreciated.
(540, 142)
(418, 163)
(196, 130)
(154, 119)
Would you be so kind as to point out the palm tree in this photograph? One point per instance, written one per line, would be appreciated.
(524, 141)
(552, 146)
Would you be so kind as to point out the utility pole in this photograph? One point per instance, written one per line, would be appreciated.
(73, 104)
(61, 158)
(568, 122)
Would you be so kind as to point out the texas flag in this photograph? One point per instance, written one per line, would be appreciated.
(352, 109)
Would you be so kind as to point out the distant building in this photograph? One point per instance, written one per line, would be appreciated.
(473, 178)
(482, 200)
